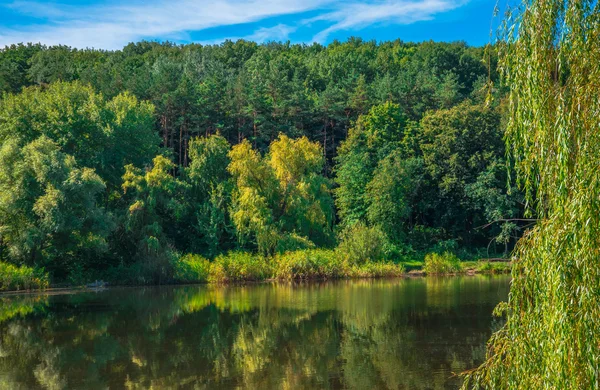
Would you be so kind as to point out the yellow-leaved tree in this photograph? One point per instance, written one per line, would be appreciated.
(281, 201)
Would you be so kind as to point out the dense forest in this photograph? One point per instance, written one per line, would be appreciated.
(121, 162)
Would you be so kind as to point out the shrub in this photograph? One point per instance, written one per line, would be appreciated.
(377, 270)
(191, 269)
(21, 278)
(293, 242)
(308, 264)
(361, 243)
(238, 267)
(445, 263)
(494, 268)
(152, 269)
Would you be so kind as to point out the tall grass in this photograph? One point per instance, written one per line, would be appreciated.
(192, 268)
(21, 278)
(370, 269)
(328, 264)
(239, 267)
(308, 264)
(445, 263)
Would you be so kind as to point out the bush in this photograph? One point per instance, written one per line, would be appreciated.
(445, 263)
(493, 268)
(293, 242)
(360, 244)
(21, 278)
(239, 267)
(308, 264)
(191, 269)
(152, 269)
(377, 270)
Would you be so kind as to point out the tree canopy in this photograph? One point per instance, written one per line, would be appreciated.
(159, 150)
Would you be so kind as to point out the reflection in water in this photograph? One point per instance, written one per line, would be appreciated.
(394, 334)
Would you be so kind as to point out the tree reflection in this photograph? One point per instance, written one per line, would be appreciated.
(396, 334)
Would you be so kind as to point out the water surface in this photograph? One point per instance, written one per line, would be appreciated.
(388, 334)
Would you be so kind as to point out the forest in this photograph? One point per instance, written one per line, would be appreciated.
(162, 163)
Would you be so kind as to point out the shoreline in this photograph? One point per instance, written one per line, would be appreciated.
(413, 274)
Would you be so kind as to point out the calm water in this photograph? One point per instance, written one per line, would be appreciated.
(388, 334)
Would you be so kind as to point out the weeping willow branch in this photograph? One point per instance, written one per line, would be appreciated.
(550, 56)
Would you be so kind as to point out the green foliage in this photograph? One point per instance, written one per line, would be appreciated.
(14, 64)
(374, 269)
(374, 137)
(462, 152)
(309, 264)
(441, 263)
(100, 134)
(21, 278)
(208, 197)
(154, 203)
(191, 269)
(282, 196)
(360, 244)
(392, 194)
(151, 270)
(550, 340)
(239, 267)
(209, 161)
(49, 215)
(415, 162)
(493, 267)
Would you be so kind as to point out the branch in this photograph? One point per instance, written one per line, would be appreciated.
(508, 220)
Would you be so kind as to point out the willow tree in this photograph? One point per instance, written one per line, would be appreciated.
(281, 201)
(552, 335)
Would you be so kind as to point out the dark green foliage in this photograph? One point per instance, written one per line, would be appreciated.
(255, 91)
(115, 162)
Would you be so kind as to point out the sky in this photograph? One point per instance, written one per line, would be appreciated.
(111, 24)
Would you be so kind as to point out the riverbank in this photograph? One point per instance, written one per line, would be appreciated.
(241, 267)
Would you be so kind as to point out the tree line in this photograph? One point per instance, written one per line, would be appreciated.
(132, 157)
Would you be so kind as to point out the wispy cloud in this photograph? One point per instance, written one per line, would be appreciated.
(280, 32)
(111, 25)
(357, 15)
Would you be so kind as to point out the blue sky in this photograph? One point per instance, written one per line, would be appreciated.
(110, 24)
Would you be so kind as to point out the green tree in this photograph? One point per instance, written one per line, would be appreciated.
(49, 215)
(281, 198)
(375, 136)
(154, 201)
(392, 194)
(458, 145)
(100, 134)
(209, 195)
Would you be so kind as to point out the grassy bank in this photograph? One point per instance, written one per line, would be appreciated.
(314, 264)
(237, 267)
(13, 278)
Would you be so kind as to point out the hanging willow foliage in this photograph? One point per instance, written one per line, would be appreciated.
(551, 61)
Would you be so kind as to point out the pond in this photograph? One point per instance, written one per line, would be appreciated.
(365, 334)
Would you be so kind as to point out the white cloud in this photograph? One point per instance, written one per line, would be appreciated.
(359, 15)
(280, 32)
(112, 25)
